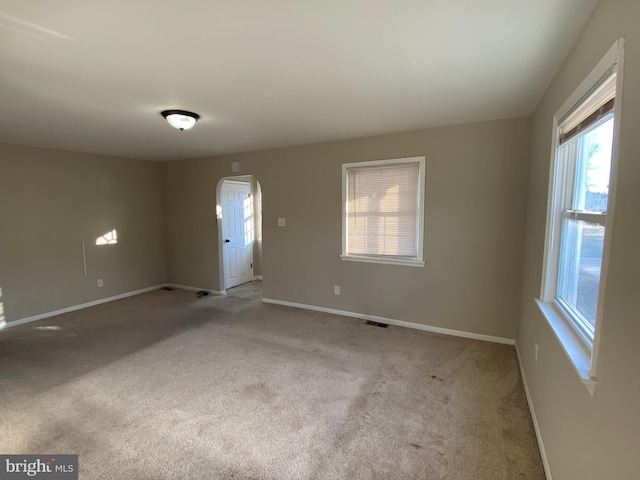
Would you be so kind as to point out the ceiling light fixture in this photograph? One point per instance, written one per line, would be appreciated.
(180, 119)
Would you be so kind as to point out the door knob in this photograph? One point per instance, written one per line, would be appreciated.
(227, 241)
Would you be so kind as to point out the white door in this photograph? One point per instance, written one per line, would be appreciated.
(237, 233)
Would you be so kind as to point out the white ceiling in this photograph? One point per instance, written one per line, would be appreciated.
(92, 76)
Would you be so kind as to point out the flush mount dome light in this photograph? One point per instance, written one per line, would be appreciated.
(180, 119)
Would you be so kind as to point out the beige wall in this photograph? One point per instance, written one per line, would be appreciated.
(590, 438)
(51, 201)
(475, 200)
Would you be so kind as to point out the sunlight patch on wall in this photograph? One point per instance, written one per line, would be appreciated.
(247, 205)
(109, 238)
(3, 322)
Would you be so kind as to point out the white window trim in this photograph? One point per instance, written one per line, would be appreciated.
(411, 262)
(583, 356)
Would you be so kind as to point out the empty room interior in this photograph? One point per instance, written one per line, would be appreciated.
(320, 240)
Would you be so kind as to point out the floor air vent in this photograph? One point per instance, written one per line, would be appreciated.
(376, 324)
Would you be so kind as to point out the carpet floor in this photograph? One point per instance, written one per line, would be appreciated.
(165, 385)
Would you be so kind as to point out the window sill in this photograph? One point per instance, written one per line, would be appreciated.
(573, 346)
(385, 261)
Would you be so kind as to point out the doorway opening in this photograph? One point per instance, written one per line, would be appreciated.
(239, 213)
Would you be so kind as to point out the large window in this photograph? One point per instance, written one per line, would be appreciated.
(383, 204)
(579, 211)
(584, 165)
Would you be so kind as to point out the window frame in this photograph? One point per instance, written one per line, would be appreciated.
(580, 349)
(566, 178)
(418, 260)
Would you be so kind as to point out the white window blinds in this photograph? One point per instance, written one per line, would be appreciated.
(597, 105)
(382, 210)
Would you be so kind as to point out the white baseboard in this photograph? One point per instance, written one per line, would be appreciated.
(257, 277)
(399, 323)
(534, 418)
(73, 308)
(195, 289)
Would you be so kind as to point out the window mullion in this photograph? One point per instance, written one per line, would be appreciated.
(589, 217)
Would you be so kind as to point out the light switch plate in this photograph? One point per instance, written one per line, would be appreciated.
(282, 222)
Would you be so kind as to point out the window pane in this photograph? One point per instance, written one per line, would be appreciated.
(593, 168)
(579, 270)
(382, 207)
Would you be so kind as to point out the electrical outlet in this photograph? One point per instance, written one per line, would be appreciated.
(336, 289)
(282, 222)
(535, 351)
(100, 282)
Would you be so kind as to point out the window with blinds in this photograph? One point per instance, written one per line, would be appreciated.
(383, 210)
(579, 213)
(584, 155)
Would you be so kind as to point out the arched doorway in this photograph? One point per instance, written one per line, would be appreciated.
(239, 214)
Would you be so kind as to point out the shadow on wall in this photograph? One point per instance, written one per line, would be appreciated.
(108, 238)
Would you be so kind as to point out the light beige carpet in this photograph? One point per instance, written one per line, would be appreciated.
(168, 386)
